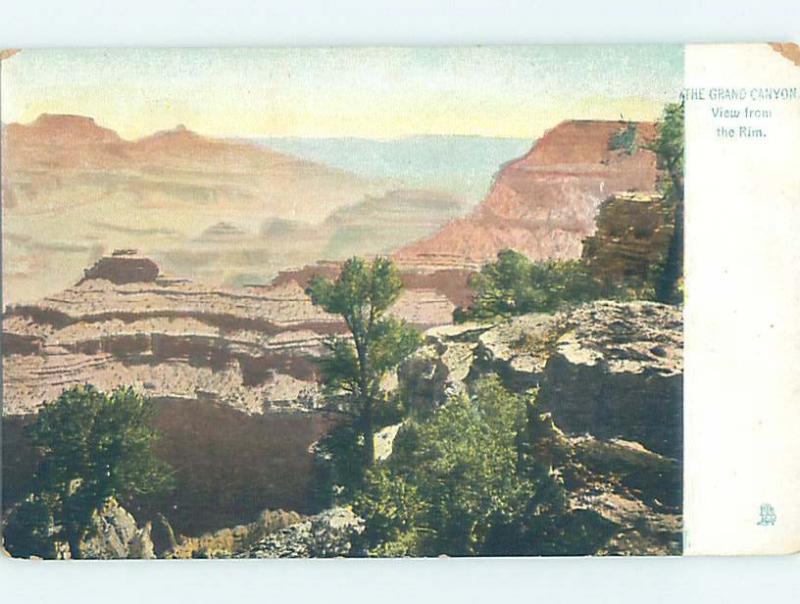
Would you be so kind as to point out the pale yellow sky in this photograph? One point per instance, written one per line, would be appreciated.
(359, 92)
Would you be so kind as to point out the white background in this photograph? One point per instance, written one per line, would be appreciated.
(741, 385)
(241, 23)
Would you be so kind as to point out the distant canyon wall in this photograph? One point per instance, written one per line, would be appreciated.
(545, 203)
(227, 212)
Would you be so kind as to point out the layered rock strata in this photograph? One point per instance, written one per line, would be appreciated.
(253, 349)
(544, 204)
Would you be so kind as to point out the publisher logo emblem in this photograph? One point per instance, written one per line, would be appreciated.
(767, 515)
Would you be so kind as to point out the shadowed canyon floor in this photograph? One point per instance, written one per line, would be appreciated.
(229, 466)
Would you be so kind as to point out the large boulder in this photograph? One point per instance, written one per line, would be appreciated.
(517, 350)
(114, 534)
(440, 367)
(634, 492)
(328, 534)
(617, 372)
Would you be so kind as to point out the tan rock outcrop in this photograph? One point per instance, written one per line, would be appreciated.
(439, 369)
(114, 534)
(328, 534)
(617, 371)
(225, 542)
(631, 244)
(636, 493)
(124, 266)
(517, 350)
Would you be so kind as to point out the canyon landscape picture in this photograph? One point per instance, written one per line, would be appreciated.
(347, 302)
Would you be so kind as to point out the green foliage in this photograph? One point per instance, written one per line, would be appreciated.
(94, 446)
(447, 478)
(361, 295)
(669, 147)
(387, 343)
(30, 529)
(392, 340)
(514, 285)
(457, 484)
(338, 466)
(394, 509)
(340, 367)
(624, 140)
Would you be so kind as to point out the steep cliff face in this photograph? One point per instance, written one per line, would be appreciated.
(544, 204)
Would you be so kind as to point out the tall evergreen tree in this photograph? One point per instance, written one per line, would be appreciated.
(361, 295)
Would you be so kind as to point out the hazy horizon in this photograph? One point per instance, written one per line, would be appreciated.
(373, 93)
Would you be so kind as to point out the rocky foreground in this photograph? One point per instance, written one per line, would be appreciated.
(608, 422)
(609, 377)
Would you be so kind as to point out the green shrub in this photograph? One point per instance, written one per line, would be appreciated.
(457, 484)
(93, 446)
(30, 530)
(515, 285)
(624, 140)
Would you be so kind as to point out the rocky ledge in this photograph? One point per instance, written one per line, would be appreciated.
(637, 493)
(608, 413)
(610, 369)
(328, 534)
(617, 371)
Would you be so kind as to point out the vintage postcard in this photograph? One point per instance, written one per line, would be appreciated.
(398, 302)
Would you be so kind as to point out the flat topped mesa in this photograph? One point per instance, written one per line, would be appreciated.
(123, 266)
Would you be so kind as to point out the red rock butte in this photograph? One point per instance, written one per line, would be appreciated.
(545, 203)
